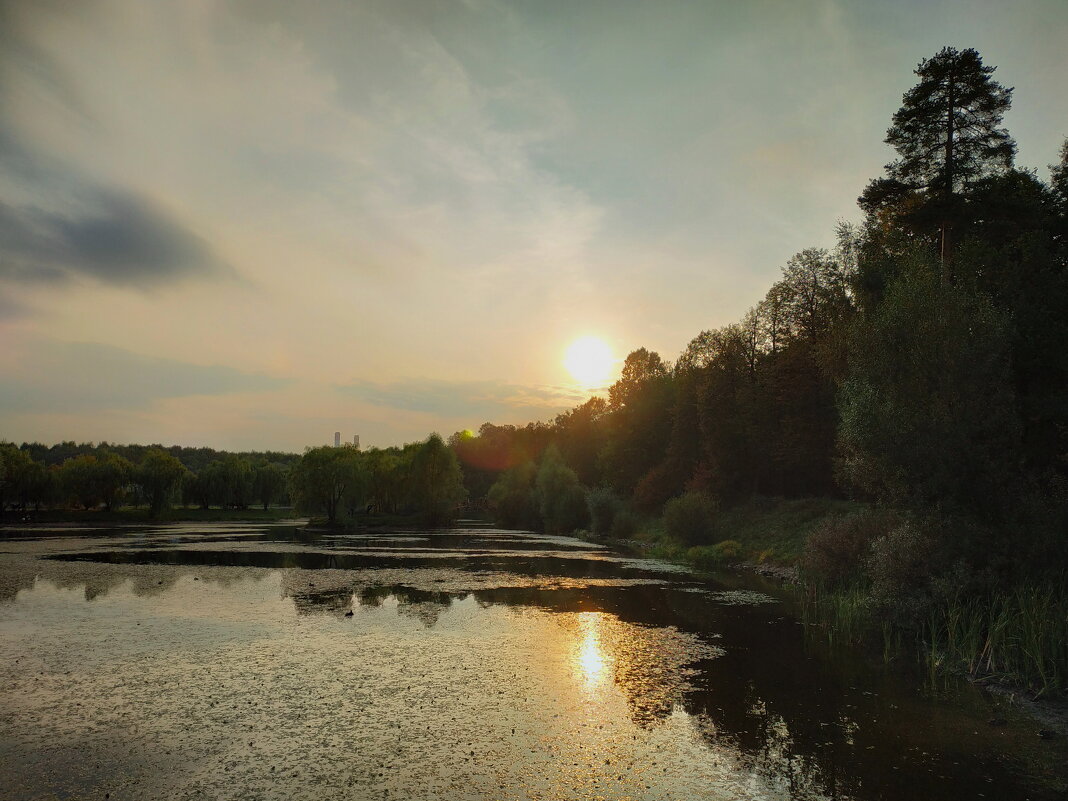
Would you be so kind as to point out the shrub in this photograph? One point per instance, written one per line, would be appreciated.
(609, 516)
(703, 557)
(655, 488)
(836, 553)
(712, 557)
(604, 507)
(689, 518)
(560, 497)
(728, 550)
(512, 498)
(900, 569)
(625, 525)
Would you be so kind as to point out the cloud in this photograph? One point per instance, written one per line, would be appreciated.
(482, 400)
(124, 240)
(451, 190)
(69, 377)
(56, 224)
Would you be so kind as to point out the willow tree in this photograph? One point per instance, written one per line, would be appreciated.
(159, 475)
(324, 476)
(436, 487)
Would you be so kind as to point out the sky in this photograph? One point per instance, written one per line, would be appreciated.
(247, 225)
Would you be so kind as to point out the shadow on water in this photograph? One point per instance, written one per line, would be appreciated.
(814, 722)
(530, 564)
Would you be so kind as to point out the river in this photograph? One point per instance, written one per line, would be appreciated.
(256, 661)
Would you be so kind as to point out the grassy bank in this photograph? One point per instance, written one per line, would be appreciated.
(765, 530)
(775, 529)
(1015, 634)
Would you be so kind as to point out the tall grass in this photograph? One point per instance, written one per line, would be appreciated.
(843, 615)
(1019, 636)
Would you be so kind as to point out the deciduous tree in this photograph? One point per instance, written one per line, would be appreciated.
(269, 482)
(928, 411)
(436, 486)
(560, 497)
(324, 476)
(159, 475)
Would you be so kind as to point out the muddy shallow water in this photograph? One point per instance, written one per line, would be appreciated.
(240, 661)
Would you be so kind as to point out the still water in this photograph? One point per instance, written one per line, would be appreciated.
(223, 661)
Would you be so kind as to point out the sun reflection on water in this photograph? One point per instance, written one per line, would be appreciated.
(590, 659)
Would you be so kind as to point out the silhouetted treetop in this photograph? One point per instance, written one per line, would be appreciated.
(948, 130)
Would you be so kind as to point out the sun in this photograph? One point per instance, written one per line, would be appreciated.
(590, 361)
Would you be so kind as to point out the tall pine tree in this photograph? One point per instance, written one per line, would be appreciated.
(948, 135)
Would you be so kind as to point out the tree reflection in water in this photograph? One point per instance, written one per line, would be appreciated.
(571, 673)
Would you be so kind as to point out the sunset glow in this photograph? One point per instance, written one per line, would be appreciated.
(378, 217)
(590, 361)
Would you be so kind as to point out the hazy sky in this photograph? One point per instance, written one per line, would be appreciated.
(250, 224)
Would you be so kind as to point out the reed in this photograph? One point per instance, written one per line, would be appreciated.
(842, 614)
(1019, 636)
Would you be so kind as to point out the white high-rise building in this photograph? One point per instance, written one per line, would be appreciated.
(337, 439)
(356, 441)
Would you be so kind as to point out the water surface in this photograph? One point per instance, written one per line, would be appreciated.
(260, 661)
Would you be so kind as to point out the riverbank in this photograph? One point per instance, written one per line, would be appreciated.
(768, 536)
(768, 533)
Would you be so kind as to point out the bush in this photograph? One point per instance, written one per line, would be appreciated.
(836, 553)
(605, 507)
(703, 557)
(625, 525)
(656, 487)
(689, 518)
(564, 511)
(512, 498)
(609, 516)
(728, 550)
(560, 497)
(712, 557)
(900, 569)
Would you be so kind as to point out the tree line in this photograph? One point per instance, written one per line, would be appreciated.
(420, 480)
(92, 476)
(919, 364)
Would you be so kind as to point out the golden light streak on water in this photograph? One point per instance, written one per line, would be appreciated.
(590, 660)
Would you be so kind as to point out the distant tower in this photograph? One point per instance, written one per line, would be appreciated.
(356, 441)
(337, 439)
